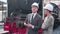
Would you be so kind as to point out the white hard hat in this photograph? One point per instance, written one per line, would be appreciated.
(35, 4)
(49, 7)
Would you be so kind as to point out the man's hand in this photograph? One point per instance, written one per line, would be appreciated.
(28, 25)
(25, 24)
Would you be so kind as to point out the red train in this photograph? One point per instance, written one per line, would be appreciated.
(11, 27)
(17, 11)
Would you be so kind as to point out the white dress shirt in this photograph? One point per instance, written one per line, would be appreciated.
(33, 18)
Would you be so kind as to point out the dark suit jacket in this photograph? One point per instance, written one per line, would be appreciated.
(37, 22)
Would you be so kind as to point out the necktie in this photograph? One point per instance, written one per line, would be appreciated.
(32, 17)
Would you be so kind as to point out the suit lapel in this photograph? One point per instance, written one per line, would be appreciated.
(29, 18)
(34, 18)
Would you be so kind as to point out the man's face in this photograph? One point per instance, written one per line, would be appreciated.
(46, 11)
(34, 9)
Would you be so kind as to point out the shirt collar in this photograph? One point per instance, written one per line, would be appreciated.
(34, 13)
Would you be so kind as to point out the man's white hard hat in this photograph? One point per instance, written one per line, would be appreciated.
(49, 7)
(35, 4)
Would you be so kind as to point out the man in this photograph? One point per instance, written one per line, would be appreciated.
(33, 21)
(47, 26)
